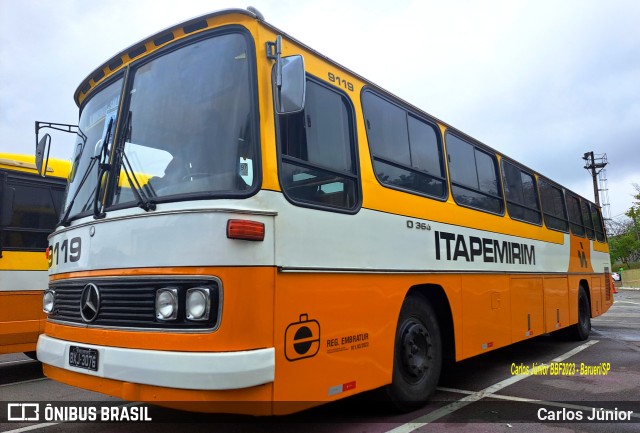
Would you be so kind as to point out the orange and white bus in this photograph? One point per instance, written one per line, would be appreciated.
(248, 221)
(30, 206)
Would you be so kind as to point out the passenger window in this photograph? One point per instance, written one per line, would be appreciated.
(36, 210)
(317, 152)
(474, 176)
(553, 207)
(521, 194)
(586, 217)
(575, 215)
(406, 150)
(597, 224)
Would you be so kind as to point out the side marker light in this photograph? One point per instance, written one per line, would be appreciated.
(245, 230)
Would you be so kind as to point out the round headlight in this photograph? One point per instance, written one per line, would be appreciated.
(48, 299)
(198, 303)
(167, 304)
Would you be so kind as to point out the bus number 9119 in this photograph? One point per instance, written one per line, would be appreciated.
(340, 82)
(67, 251)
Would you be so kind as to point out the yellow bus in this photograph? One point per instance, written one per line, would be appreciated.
(300, 234)
(30, 206)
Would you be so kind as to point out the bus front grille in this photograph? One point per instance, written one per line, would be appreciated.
(131, 303)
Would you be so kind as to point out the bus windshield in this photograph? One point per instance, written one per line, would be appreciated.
(189, 123)
(186, 128)
(97, 123)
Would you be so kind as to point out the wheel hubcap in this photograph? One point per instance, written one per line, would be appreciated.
(415, 349)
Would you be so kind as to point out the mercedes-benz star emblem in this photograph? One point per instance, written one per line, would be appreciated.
(90, 302)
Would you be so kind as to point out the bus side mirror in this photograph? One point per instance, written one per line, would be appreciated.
(291, 93)
(42, 154)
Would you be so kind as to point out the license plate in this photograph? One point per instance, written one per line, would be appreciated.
(83, 357)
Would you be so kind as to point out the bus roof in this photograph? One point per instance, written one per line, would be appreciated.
(152, 42)
(26, 163)
(193, 25)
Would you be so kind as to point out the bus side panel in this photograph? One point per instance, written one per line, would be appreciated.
(22, 319)
(341, 327)
(23, 264)
(601, 263)
(580, 263)
(598, 296)
(527, 312)
(22, 279)
(486, 308)
(556, 303)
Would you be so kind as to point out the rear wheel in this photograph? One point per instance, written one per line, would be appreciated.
(417, 355)
(580, 331)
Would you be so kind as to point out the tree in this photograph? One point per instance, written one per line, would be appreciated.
(623, 248)
(618, 226)
(624, 235)
(634, 211)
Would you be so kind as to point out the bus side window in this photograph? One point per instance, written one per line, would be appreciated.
(474, 176)
(318, 165)
(597, 224)
(553, 207)
(586, 217)
(406, 149)
(521, 193)
(575, 215)
(36, 209)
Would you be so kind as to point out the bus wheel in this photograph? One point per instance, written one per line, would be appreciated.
(580, 331)
(417, 355)
(31, 355)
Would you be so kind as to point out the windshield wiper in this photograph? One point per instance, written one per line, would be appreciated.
(65, 218)
(64, 221)
(103, 168)
(144, 202)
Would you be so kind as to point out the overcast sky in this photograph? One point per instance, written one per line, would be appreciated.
(542, 81)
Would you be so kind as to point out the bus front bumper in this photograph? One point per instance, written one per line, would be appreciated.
(181, 370)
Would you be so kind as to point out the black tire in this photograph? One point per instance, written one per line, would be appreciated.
(31, 355)
(580, 331)
(417, 360)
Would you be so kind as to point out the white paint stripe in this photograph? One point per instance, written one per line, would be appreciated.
(574, 351)
(24, 381)
(489, 391)
(32, 427)
(528, 400)
(455, 390)
(20, 361)
(23, 281)
(323, 248)
(550, 403)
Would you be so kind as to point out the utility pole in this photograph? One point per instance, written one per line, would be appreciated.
(595, 168)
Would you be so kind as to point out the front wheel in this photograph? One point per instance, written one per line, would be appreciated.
(31, 355)
(417, 355)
